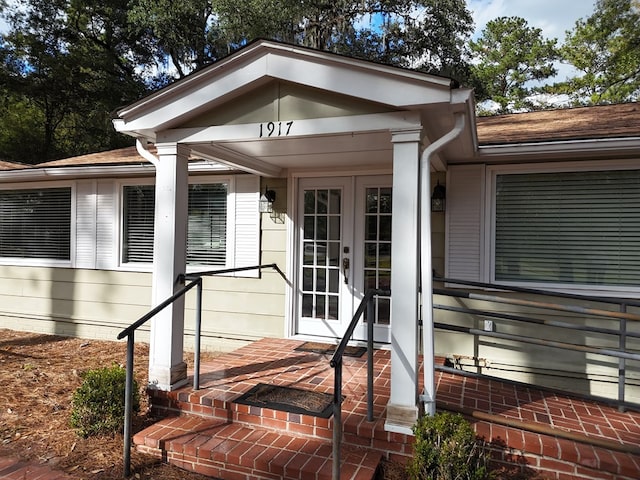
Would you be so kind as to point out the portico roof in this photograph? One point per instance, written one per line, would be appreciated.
(272, 106)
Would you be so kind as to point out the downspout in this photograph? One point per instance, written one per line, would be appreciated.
(145, 153)
(426, 273)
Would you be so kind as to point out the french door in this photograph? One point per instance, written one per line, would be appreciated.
(344, 248)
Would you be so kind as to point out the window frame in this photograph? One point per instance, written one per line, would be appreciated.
(545, 168)
(41, 261)
(228, 180)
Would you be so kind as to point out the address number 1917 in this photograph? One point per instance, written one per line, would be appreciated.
(275, 129)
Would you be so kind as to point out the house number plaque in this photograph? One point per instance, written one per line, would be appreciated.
(275, 129)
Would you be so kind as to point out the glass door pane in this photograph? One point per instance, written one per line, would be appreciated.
(321, 245)
(377, 249)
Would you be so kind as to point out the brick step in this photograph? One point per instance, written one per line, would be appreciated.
(221, 449)
(358, 431)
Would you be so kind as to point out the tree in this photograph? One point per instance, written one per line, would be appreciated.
(66, 66)
(605, 48)
(425, 34)
(507, 57)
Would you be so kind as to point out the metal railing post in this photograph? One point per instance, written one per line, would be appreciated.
(128, 405)
(198, 326)
(370, 322)
(622, 362)
(337, 420)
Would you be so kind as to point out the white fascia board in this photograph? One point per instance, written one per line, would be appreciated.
(159, 111)
(582, 147)
(99, 171)
(360, 82)
(376, 68)
(294, 128)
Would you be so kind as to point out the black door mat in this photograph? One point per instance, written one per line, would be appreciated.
(327, 349)
(288, 399)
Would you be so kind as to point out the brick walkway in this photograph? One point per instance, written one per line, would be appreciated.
(13, 469)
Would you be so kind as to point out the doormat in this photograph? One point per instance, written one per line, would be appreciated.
(288, 399)
(327, 349)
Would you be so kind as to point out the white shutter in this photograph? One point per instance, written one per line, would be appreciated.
(85, 255)
(465, 222)
(247, 224)
(107, 218)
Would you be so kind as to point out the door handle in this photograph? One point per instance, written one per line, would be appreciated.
(345, 269)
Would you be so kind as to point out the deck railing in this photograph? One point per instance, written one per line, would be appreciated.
(336, 364)
(542, 307)
(129, 332)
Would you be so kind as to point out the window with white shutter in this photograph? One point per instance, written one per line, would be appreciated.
(223, 223)
(36, 223)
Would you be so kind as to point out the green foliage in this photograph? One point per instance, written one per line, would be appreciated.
(98, 404)
(508, 55)
(446, 448)
(605, 48)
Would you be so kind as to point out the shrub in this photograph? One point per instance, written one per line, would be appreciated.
(98, 403)
(446, 448)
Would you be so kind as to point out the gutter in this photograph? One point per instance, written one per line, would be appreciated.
(426, 281)
(583, 147)
(145, 153)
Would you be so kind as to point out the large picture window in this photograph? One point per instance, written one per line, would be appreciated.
(207, 224)
(568, 227)
(36, 223)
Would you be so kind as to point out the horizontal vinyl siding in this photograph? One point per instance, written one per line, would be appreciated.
(552, 367)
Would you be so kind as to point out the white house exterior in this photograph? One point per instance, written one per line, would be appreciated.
(352, 151)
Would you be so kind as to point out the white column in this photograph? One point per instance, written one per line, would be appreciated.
(167, 369)
(402, 410)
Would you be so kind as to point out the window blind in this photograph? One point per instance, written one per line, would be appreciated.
(207, 224)
(36, 223)
(207, 239)
(569, 227)
(139, 207)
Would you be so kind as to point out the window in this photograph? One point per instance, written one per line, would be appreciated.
(207, 224)
(36, 223)
(568, 227)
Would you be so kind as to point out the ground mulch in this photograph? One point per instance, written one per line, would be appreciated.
(38, 376)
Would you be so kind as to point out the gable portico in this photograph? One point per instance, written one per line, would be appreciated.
(279, 111)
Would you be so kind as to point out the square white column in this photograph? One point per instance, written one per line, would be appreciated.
(167, 369)
(402, 409)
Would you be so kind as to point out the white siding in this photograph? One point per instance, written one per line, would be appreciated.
(465, 222)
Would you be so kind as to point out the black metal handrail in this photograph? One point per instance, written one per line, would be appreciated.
(622, 316)
(336, 364)
(129, 332)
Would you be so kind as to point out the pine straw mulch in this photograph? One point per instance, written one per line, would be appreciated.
(38, 375)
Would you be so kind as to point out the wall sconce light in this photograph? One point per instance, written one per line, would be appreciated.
(266, 200)
(438, 198)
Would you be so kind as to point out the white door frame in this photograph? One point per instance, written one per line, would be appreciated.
(354, 186)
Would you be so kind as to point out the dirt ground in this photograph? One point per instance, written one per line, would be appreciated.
(38, 375)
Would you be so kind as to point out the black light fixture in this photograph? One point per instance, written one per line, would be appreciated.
(266, 200)
(438, 198)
